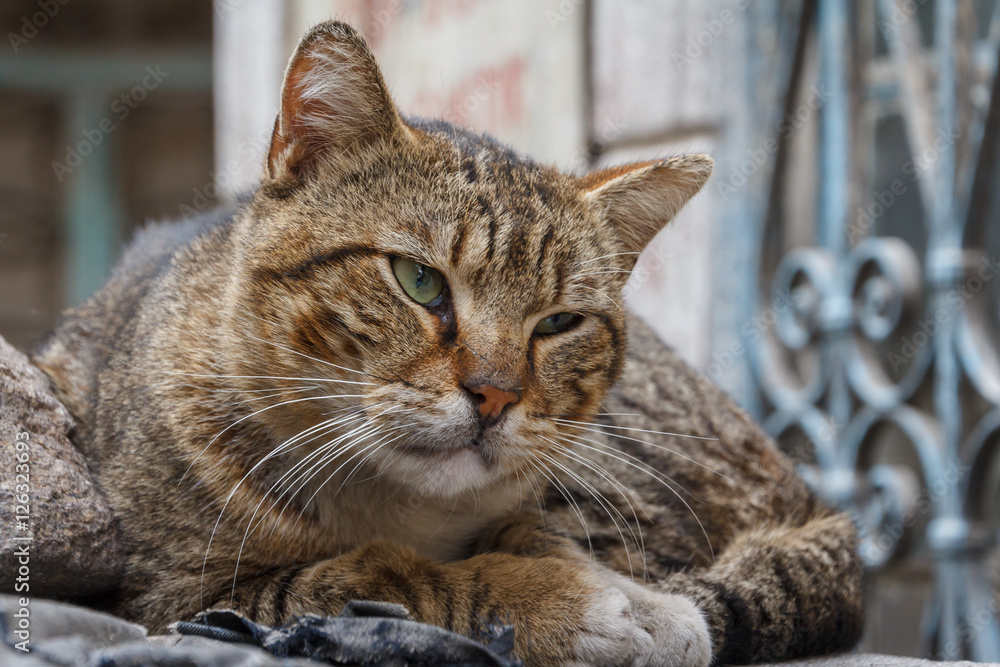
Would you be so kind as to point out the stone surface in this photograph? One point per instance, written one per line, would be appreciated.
(73, 550)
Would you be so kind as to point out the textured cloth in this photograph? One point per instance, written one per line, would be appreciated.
(64, 635)
(365, 633)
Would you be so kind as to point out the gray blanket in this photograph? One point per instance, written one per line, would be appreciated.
(367, 634)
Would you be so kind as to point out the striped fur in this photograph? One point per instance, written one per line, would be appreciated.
(280, 428)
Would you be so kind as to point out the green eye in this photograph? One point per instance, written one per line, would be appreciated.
(557, 323)
(423, 283)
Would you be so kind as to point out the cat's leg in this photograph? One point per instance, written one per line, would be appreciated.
(564, 611)
(678, 628)
(781, 592)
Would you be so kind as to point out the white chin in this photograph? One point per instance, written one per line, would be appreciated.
(444, 474)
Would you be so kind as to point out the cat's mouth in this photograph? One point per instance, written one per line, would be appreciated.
(473, 447)
(479, 450)
(448, 460)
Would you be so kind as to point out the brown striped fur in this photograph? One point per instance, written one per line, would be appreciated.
(217, 340)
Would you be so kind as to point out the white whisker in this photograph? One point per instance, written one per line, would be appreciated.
(246, 377)
(593, 289)
(639, 430)
(232, 493)
(655, 476)
(651, 444)
(316, 359)
(257, 412)
(358, 433)
(564, 492)
(325, 456)
(605, 504)
(614, 254)
(602, 273)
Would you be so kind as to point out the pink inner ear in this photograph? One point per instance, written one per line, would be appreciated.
(286, 129)
(596, 179)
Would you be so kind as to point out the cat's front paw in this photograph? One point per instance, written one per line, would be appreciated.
(678, 629)
(632, 625)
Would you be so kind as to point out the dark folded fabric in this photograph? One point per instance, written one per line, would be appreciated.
(365, 633)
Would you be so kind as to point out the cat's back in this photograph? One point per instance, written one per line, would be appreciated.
(110, 323)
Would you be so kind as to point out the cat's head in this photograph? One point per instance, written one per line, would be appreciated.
(464, 296)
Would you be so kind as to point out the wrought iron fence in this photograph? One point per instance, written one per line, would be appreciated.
(882, 354)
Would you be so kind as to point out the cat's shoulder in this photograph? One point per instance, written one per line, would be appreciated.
(80, 344)
(660, 384)
(153, 246)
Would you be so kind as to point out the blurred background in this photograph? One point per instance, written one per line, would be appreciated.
(836, 275)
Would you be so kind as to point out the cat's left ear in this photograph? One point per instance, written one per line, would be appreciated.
(638, 200)
(334, 104)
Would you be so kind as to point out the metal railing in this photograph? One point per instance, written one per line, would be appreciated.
(886, 335)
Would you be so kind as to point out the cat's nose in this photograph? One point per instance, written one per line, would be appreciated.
(492, 401)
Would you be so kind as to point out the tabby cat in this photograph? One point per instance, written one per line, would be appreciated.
(386, 376)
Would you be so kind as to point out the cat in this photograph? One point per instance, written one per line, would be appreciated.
(386, 374)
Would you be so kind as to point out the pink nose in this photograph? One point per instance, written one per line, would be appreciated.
(493, 401)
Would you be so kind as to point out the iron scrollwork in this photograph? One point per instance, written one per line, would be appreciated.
(881, 342)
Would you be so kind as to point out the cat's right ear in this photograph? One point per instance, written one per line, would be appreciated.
(638, 200)
(334, 104)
